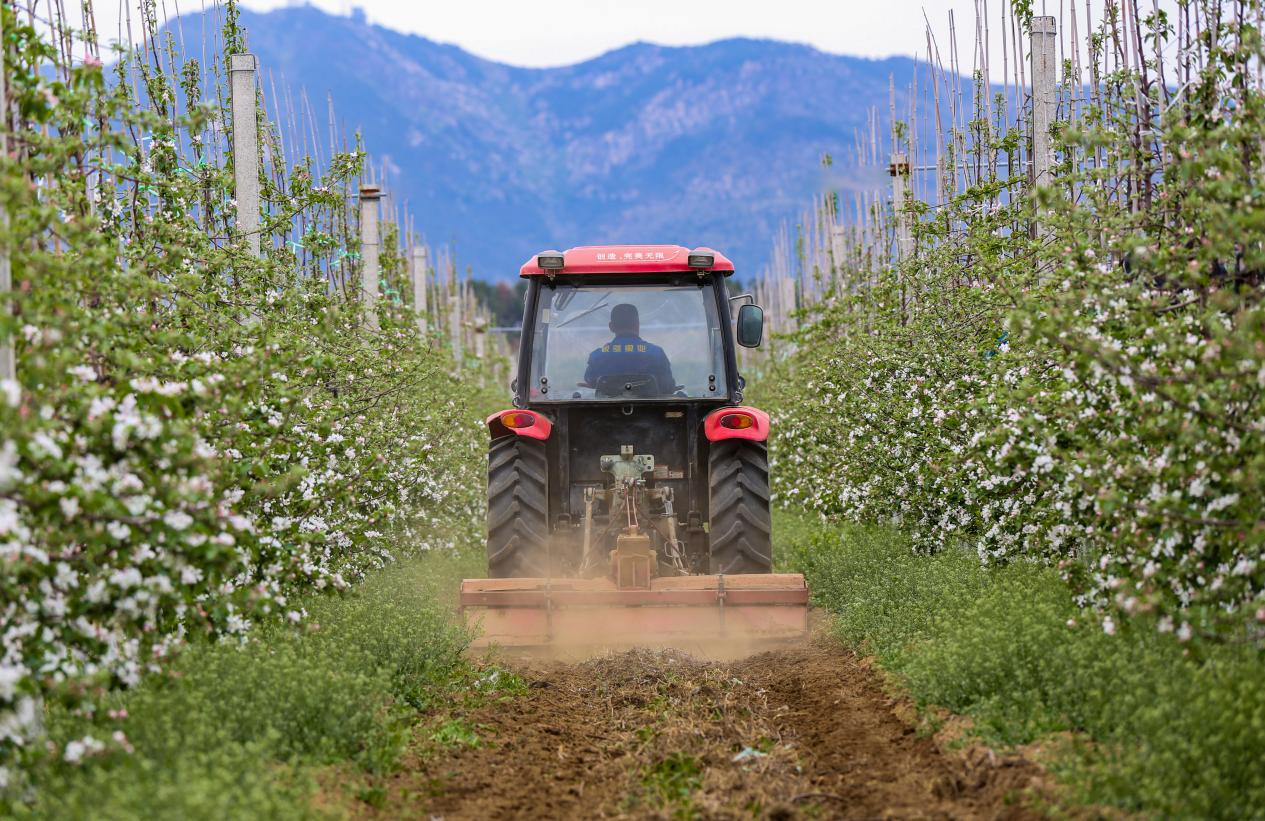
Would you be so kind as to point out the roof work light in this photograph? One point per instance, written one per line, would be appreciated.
(551, 260)
(701, 260)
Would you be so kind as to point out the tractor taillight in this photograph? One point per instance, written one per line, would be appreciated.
(736, 421)
(518, 420)
(551, 261)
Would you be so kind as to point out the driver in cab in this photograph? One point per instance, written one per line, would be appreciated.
(630, 355)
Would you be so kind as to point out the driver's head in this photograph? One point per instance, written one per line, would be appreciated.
(624, 319)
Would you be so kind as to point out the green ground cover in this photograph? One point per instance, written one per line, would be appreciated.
(1141, 721)
(1157, 727)
(244, 731)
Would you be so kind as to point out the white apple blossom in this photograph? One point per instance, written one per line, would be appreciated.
(177, 519)
(9, 678)
(69, 506)
(77, 750)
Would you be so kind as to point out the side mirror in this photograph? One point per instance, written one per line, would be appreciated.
(750, 326)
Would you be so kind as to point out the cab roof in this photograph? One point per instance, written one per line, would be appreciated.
(627, 259)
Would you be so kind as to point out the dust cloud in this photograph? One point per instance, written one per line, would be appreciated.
(602, 632)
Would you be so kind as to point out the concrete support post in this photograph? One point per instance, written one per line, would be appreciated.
(8, 364)
(467, 315)
(454, 321)
(369, 244)
(838, 245)
(899, 171)
(1044, 49)
(242, 69)
(420, 294)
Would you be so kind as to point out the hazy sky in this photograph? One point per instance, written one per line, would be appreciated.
(560, 32)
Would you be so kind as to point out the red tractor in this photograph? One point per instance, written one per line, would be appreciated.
(628, 487)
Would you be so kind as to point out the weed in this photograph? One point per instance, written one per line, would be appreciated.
(660, 704)
(764, 744)
(456, 732)
(374, 794)
(673, 780)
(494, 683)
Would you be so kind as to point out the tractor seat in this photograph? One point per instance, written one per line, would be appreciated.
(627, 386)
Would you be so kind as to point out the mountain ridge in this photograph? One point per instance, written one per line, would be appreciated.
(715, 144)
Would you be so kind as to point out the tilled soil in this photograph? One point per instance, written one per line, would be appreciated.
(800, 732)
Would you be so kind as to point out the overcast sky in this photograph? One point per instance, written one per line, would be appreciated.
(561, 32)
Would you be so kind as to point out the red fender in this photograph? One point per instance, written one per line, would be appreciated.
(747, 423)
(524, 423)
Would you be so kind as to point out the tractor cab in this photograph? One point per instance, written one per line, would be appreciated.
(628, 459)
(658, 315)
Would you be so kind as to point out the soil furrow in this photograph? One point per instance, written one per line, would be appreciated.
(798, 732)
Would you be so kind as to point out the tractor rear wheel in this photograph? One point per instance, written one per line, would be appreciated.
(741, 525)
(518, 508)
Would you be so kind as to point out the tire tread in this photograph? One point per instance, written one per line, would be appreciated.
(741, 522)
(518, 508)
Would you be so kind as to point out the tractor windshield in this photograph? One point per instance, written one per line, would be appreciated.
(627, 342)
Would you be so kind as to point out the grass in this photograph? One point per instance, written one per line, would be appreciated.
(244, 731)
(1157, 727)
(669, 784)
(456, 732)
(675, 777)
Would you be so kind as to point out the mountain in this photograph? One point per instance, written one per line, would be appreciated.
(703, 145)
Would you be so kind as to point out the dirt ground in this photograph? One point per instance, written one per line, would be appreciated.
(799, 732)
